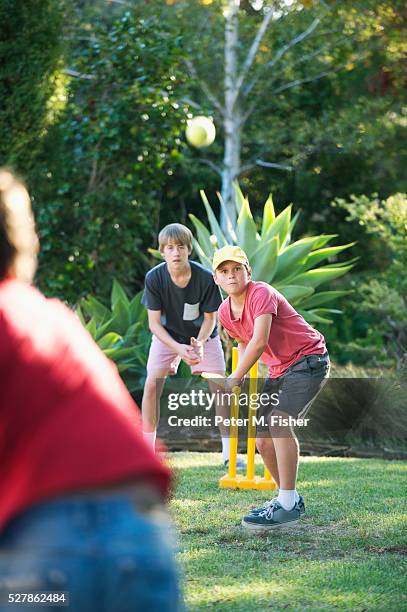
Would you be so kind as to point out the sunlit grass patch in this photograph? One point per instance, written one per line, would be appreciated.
(347, 553)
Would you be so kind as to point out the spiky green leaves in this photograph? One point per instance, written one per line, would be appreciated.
(292, 267)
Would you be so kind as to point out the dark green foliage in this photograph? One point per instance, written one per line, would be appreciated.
(121, 331)
(31, 48)
(341, 134)
(76, 79)
(99, 193)
(123, 334)
(374, 328)
(292, 267)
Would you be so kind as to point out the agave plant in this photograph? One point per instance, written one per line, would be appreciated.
(121, 331)
(292, 267)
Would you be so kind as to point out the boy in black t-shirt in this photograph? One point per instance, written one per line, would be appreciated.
(182, 302)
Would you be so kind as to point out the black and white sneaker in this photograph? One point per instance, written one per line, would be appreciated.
(274, 517)
(300, 503)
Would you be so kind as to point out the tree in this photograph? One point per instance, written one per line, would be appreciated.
(98, 194)
(31, 53)
(271, 51)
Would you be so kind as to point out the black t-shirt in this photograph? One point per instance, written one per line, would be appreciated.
(182, 308)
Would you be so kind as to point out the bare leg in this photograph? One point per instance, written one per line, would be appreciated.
(222, 408)
(150, 405)
(287, 453)
(265, 446)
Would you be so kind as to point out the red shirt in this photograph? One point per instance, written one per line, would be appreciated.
(291, 337)
(66, 419)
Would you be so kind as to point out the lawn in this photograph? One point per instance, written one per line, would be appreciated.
(347, 553)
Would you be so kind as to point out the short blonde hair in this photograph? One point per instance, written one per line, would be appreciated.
(175, 232)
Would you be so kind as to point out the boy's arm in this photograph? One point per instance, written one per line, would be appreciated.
(183, 350)
(207, 327)
(210, 302)
(255, 348)
(241, 347)
(156, 328)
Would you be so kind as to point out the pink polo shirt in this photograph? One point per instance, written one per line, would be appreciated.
(291, 337)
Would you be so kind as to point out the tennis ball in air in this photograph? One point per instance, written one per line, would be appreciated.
(200, 132)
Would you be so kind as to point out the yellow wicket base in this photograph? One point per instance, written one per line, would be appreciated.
(231, 480)
(242, 482)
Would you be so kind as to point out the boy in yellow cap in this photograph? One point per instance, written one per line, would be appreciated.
(266, 326)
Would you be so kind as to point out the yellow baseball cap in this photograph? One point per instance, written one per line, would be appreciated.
(229, 252)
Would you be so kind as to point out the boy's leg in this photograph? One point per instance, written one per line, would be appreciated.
(266, 448)
(298, 388)
(150, 405)
(214, 362)
(284, 510)
(287, 453)
(161, 362)
(223, 410)
(280, 451)
(264, 440)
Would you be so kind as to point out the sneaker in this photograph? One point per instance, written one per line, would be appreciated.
(273, 517)
(240, 464)
(256, 511)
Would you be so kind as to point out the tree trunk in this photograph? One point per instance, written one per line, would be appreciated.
(231, 122)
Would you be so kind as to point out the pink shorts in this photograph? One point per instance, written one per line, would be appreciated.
(161, 357)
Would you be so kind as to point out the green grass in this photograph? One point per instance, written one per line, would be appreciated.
(347, 553)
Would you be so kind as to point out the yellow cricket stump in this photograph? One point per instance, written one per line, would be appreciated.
(231, 480)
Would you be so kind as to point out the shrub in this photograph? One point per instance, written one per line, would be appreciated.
(121, 331)
(292, 267)
(374, 329)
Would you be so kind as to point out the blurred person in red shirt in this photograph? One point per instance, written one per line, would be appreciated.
(82, 496)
